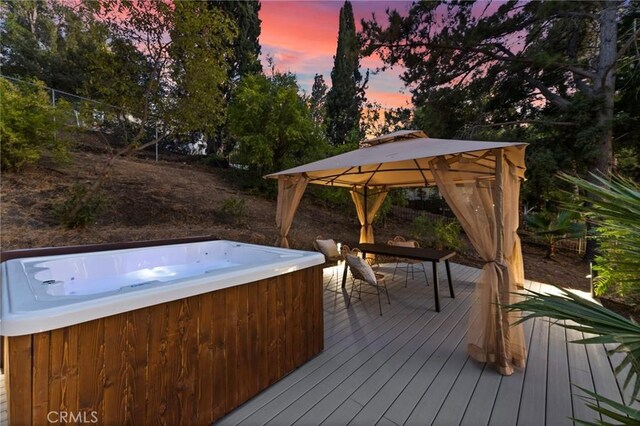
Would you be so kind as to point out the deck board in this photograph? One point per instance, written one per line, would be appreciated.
(409, 366)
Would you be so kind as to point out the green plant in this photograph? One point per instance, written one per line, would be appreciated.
(29, 124)
(614, 206)
(68, 213)
(554, 227)
(608, 327)
(234, 209)
(437, 233)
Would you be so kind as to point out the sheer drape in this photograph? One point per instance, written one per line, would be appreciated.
(374, 202)
(491, 338)
(290, 190)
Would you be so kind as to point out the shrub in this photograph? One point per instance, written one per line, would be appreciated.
(554, 227)
(29, 124)
(78, 210)
(614, 206)
(233, 209)
(437, 233)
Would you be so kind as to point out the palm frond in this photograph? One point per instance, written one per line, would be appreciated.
(624, 414)
(589, 317)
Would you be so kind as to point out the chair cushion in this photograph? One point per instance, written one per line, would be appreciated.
(329, 248)
(362, 267)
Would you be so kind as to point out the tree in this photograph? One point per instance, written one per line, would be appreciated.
(345, 98)
(45, 40)
(561, 55)
(545, 50)
(29, 124)
(166, 62)
(272, 124)
(246, 45)
(318, 100)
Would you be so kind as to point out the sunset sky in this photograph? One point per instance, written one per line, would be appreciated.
(302, 37)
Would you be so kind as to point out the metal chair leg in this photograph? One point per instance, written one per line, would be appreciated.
(379, 304)
(425, 273)
(350, 294)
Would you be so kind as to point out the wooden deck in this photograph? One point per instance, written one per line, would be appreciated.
(409, 366)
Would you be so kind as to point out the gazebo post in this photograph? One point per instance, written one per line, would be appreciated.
(366, 210)
(499, 205)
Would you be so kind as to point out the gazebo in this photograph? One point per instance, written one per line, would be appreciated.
(481, 183)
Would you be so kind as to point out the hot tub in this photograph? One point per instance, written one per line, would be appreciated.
(176, 333)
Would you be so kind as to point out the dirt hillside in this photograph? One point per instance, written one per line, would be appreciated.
(145, 200)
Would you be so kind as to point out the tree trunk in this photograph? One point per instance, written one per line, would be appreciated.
(604, 88)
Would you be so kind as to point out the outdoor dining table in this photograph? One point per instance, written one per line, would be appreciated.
(423, 254)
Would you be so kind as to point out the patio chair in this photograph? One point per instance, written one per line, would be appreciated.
(362, 272)
(408, 263)
(329, 248)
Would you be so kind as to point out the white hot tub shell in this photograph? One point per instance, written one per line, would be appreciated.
(46, 293)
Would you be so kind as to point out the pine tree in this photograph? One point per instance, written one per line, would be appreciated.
(345, 97)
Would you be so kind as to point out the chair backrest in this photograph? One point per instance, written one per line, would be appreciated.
(401, 242)
(360, 269)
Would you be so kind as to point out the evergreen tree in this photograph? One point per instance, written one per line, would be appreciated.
(246, 46)
(318, 100)
(245, 59)
(345, 98)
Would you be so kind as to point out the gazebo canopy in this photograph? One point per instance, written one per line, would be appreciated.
(400, 163)
(481, 183)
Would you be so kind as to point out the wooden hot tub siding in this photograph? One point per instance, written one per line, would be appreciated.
(189, 361)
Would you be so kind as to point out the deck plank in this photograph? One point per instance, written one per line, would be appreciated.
(559, 402)
(580, 375)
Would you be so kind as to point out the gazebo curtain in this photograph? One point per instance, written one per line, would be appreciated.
(373, 204)
(290, 190)
(485, 207)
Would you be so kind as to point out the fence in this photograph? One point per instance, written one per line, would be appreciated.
(407, 214)
(89, 114)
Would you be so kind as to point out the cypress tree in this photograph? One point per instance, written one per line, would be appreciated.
(345, 98)
(318, 100)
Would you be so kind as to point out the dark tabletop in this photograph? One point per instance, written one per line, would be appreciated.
(426, 254)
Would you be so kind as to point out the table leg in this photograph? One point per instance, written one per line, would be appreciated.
(446, 262)
(435, 285)
(344, 275)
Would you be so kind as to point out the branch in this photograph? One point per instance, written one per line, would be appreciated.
(630, 42)
(510, 123)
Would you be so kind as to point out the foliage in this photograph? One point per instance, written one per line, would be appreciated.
(542, 70)
(589, 317)
(68, 213)
(624, 414)
(272, 124)
(344, 100)
(173, 58)
(554, 227)
(318, 100)
(29, 124)
(234, 209)
(615, 208)
(436, 233)
(46, 39)
(246, 47)
(395, 197)
(200, 38)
